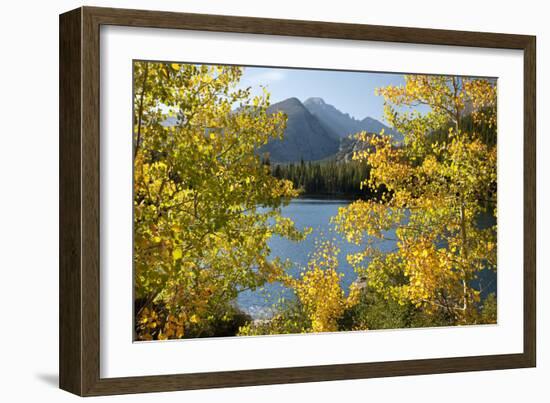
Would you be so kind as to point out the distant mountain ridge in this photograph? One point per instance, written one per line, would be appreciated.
(317, 130)
(305, 138)
(342, 123)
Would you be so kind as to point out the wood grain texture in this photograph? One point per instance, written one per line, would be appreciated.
(70, 274)
(90, 202)
(530, 202)
(315, 29)
(80, 196)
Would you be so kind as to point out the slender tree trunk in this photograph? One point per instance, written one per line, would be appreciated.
(464, 252)
(140, 109)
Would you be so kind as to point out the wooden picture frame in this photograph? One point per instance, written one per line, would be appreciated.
(79, 346)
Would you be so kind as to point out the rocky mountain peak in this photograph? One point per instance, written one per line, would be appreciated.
(315, 101)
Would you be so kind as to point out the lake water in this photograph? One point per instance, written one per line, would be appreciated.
(315, 214)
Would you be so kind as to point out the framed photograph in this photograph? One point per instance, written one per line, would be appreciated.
(249, 201)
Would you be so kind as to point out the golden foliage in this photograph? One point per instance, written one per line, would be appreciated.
(319, 291)
(200, 232)
(434, 194)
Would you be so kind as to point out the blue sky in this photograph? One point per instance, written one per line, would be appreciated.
(350, 92)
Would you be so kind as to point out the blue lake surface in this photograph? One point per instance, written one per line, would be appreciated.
(315, 214)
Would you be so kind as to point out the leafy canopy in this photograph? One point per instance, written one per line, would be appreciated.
(436, 189)
(200, 232)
